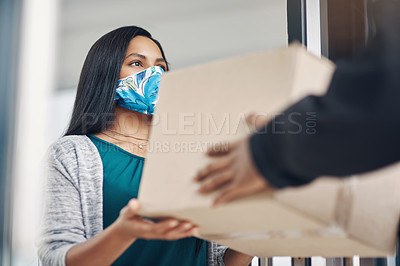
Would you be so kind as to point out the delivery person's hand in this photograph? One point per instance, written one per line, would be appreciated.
(135, 226)
(232, 173)
(256, 120)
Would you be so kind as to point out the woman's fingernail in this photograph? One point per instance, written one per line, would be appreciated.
(132, 203)
(173, 223)
(187, 226)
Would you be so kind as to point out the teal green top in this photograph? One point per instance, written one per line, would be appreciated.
(121, 178)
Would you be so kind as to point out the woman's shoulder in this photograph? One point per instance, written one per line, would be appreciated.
(72, 141)
(72, 146)
(74, 154)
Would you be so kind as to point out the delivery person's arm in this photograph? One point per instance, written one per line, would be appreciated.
(354, 128)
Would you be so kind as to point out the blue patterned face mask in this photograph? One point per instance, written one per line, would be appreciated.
(138, 92)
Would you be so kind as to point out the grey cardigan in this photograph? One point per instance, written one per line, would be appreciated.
(73, 205)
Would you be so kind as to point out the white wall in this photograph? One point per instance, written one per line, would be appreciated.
(35, 83)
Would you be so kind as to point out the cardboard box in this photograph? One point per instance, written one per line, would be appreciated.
(204, 105)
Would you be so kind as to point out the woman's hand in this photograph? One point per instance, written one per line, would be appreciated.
(133, 226)
(105, 247)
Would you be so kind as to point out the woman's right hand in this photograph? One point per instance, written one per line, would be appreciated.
(133, 226)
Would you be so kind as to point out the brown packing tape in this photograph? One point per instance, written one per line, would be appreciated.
(344, 202)
(365, 206)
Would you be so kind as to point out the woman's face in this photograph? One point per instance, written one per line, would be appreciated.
(142, 53)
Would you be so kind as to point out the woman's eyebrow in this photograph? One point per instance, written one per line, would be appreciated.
(160, 60)
(137, 55)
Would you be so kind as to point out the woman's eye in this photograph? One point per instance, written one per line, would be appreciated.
(163, 67)
(136, 63)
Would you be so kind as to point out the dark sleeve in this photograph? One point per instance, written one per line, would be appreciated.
(354, 128)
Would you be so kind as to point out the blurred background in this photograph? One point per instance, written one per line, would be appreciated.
(44, 44)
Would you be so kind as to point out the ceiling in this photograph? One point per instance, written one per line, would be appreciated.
(191, 32)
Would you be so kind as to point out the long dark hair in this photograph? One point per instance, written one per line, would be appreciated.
(94, 102)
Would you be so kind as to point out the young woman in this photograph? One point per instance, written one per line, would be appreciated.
(95, 169)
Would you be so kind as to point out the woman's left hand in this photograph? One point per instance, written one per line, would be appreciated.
(131, 225)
